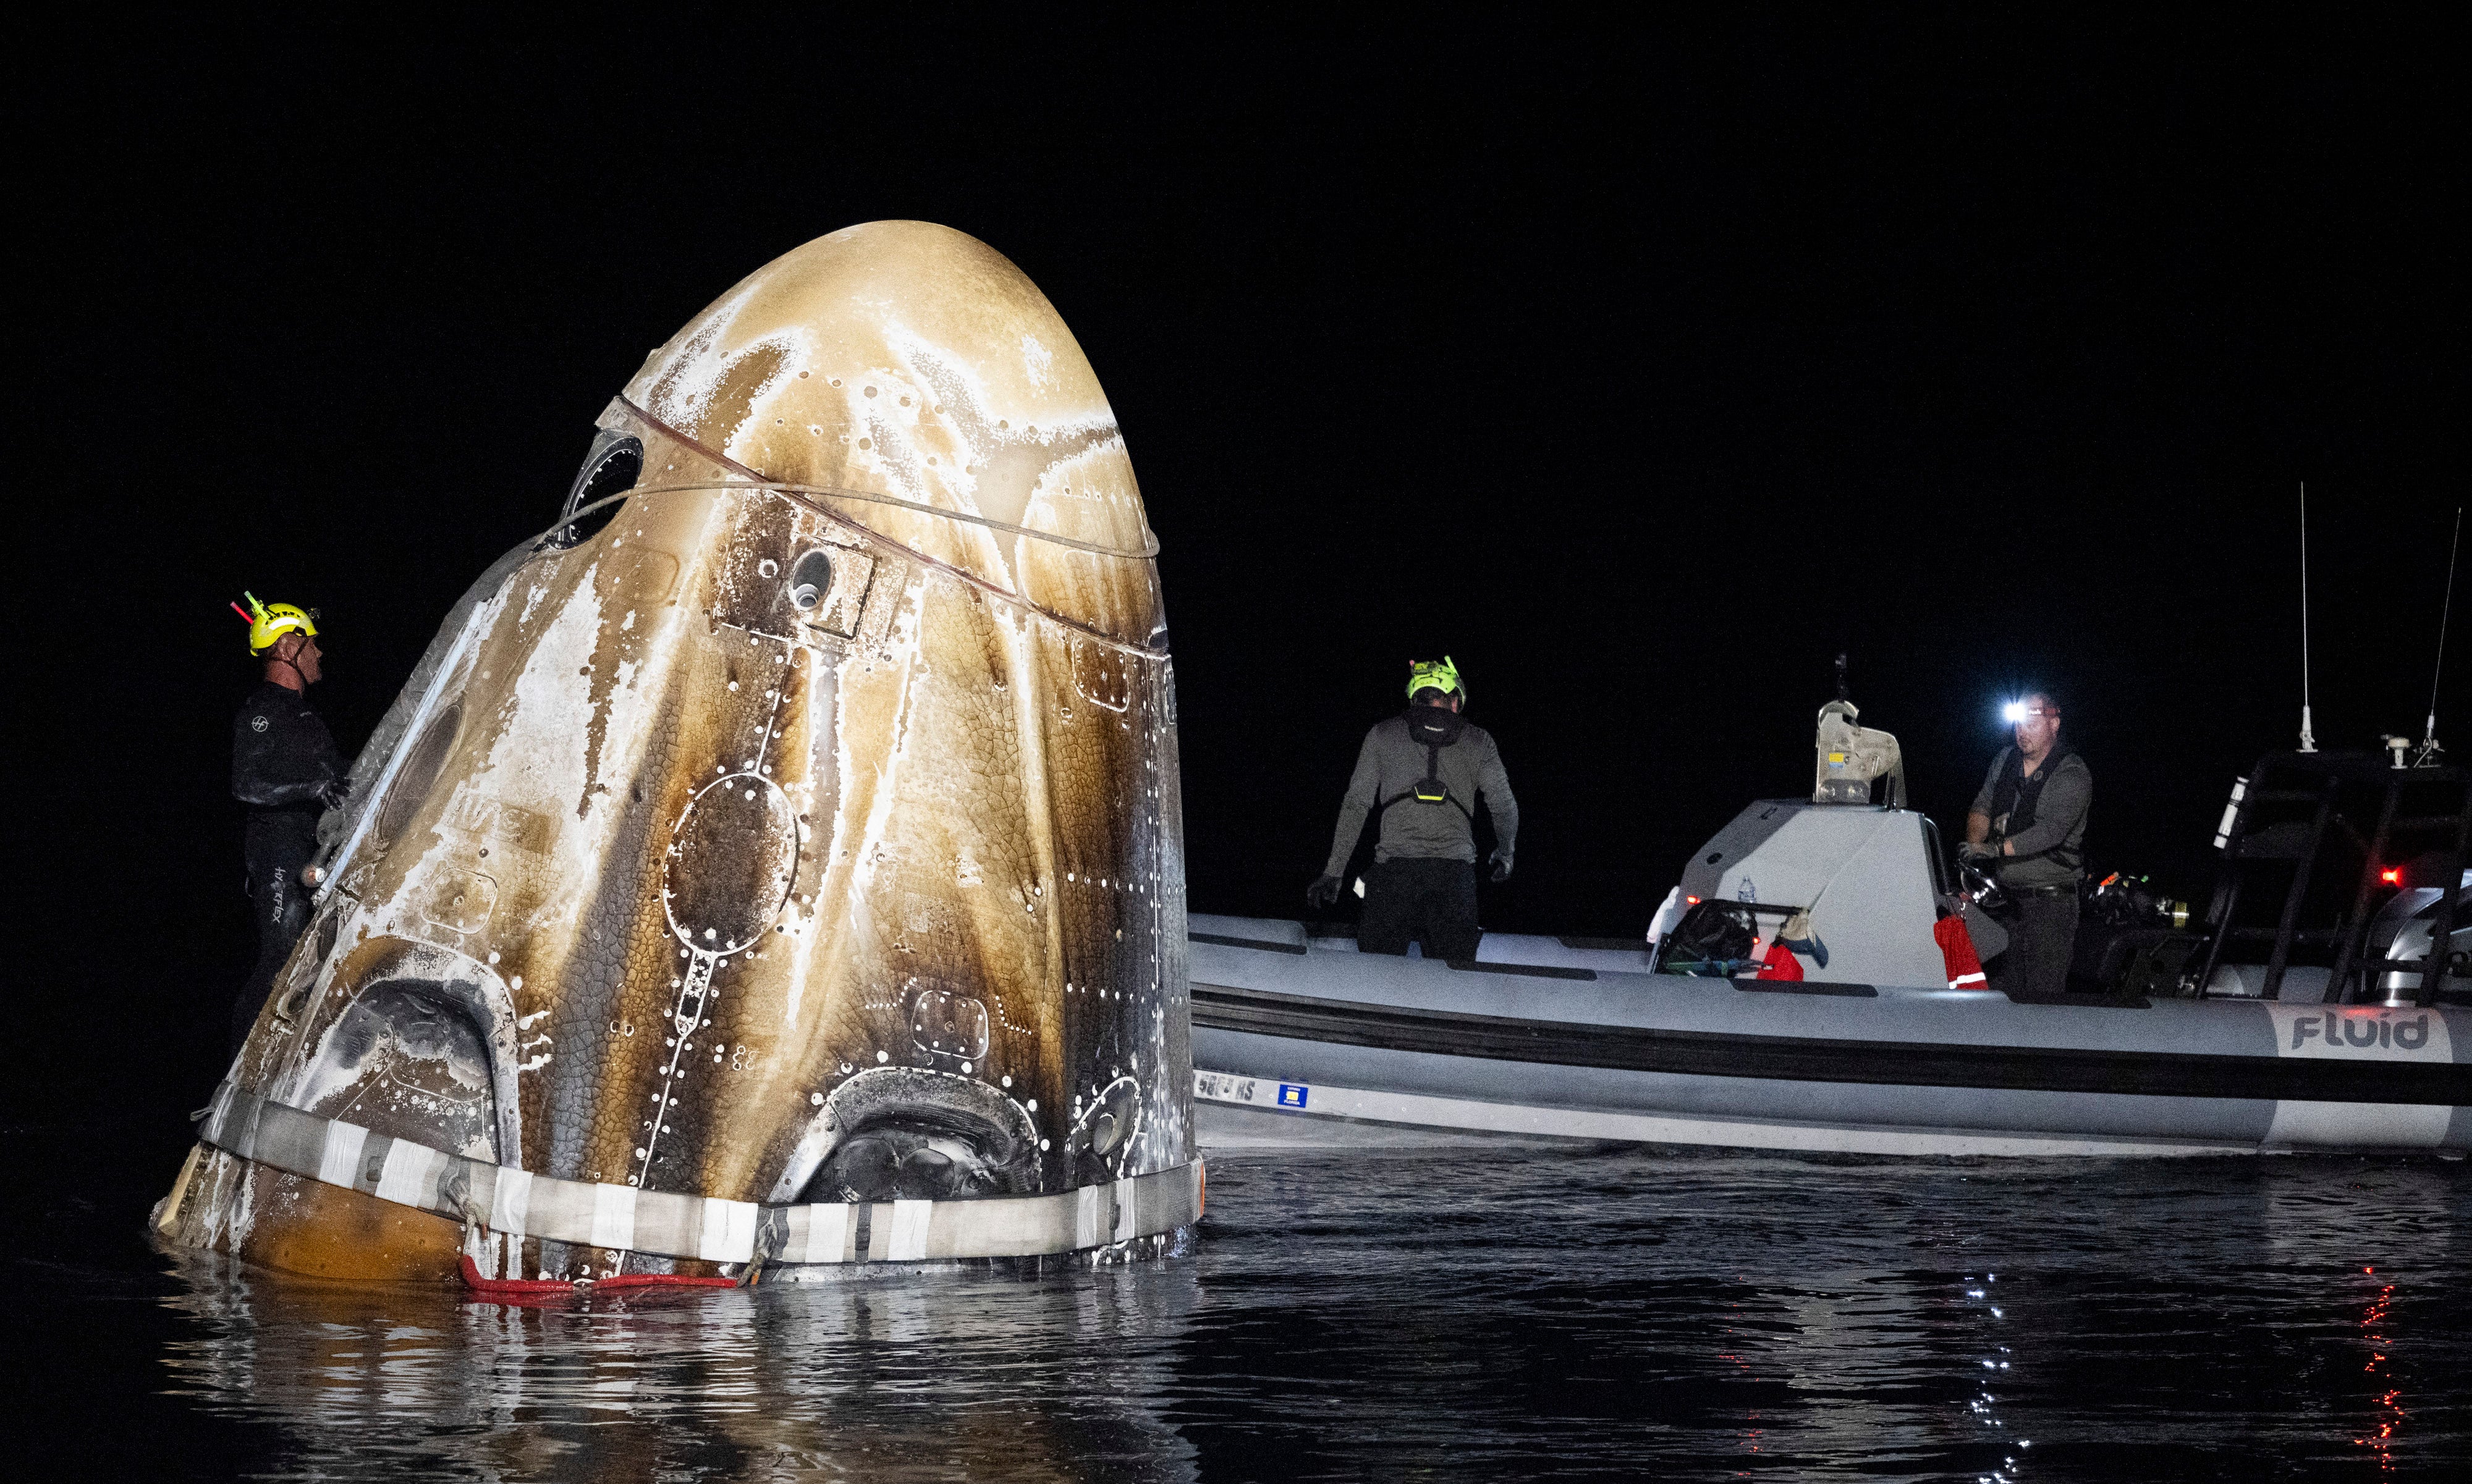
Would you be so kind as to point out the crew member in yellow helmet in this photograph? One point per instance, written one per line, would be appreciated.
(1426, 769)
(286, 771)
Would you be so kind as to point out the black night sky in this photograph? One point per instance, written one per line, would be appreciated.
(1642, 373)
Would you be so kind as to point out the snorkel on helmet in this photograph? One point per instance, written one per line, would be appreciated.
(270, 622)
(1436, 675)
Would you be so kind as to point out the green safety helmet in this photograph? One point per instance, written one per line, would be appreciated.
(1436, 675)
(269, 622)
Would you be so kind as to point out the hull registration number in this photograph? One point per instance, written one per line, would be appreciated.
(1222, 1087)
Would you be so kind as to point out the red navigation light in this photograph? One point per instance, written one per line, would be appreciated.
(2392, 875)
(1690, 900)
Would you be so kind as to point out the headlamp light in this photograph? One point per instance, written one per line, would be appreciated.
(2013, 712)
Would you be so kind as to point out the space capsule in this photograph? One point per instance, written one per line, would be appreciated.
(778, 865)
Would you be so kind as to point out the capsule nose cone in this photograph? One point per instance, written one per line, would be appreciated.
(915, 368)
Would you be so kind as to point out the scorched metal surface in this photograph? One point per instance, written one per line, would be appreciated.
(788, 870)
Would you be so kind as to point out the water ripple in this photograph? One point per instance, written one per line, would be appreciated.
(1518, 1315)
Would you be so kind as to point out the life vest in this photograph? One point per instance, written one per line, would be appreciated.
(2015, 794)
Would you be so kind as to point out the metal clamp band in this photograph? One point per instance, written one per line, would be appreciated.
(516, 1203)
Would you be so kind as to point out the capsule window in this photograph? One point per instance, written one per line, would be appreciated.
(811, 577)
(611, 468)
(409, 1058)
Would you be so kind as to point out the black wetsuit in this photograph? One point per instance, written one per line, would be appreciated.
(284, 764)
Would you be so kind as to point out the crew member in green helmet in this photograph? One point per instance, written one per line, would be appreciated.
(1426, 769)
(287, 770)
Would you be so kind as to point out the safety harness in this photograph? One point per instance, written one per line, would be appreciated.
(2016, 795)
(1438, 727)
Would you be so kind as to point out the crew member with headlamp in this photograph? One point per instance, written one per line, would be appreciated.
(2028, 828)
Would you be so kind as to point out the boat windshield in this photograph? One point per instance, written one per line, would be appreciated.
(1941, 883)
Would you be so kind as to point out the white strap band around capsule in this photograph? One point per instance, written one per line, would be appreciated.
(518, 1204)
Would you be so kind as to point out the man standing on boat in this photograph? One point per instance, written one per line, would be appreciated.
(2027, 827)
(1426, 770)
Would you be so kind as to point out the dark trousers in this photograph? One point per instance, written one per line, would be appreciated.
(1433, 900)
(2040, 940)
(280, 903)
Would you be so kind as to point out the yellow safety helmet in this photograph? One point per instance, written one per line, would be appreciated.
(270, 622)
(1436, 675)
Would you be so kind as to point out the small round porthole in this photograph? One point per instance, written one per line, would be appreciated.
(811, 577)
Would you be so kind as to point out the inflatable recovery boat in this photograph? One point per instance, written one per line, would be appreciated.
(1842, 1017)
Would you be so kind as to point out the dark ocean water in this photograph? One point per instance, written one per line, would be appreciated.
(1510, 1314)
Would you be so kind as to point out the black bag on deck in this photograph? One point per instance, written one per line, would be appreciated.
(1711, 932)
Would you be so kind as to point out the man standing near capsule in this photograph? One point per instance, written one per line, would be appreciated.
(286, 768)
(1426, 769)
(2028, 827)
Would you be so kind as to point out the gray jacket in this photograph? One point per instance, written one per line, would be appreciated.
(1388, 768)
(2047, 851)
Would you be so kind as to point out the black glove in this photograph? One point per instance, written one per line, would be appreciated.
(1501, 865)
(336, 795)
(1977, 850)
(1323, 892)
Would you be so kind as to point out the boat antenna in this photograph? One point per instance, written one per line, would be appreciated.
(2308, 743)
(2430, 750)
(2433, 703)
